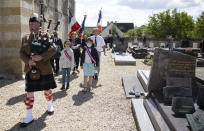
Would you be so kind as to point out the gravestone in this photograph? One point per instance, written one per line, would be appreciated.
(172, 69)
(140, 45)
(183, 105)
(195, 45)
(162, 45)
(170, 91)
(151, 45)
(139, 53)
(169, 65)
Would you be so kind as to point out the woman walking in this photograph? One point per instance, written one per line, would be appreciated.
(89, 63)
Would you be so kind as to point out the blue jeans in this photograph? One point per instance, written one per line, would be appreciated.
(65, 73)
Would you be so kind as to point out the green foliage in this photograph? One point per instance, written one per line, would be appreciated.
(178, 24)
(130, 33)
(114, 32)
(142, 30)
(87, 32)
(137, 31)
(200, 26)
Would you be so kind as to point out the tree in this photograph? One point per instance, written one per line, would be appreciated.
(130, 33)
(183, 24)
(200, 26)
(171, 23)
(137, 31)
(142, 30)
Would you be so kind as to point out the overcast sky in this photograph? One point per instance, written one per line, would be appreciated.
(136, 11)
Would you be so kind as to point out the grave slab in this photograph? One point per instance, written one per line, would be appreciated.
(129, 82)
(155, 116)
(142, 119)
(124, 59)
(175, 123)
(143, 76)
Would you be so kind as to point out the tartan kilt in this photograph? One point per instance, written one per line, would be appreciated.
(45, 82)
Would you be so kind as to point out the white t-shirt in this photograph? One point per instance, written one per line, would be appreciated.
(100, 42)
(87, 58)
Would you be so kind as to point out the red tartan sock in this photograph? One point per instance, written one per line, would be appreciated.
(29, 101)
(48, 96)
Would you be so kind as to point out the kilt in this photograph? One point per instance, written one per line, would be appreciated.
(45, 82)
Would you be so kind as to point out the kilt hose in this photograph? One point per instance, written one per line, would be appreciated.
(48, 96)
(29, 101)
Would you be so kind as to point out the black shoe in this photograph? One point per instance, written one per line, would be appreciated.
(50, 112)
(96, 77)
(63, 87)
(22, 125)
(67, 87)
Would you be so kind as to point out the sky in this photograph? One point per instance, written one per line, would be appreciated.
(132, 11)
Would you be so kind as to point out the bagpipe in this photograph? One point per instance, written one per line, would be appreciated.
(43, 40)
(41, 43)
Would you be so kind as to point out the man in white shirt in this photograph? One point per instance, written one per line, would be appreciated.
(100, 46)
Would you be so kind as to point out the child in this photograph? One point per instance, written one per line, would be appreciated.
(89, 62)
(66, 63)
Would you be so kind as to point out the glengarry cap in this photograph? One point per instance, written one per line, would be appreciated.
(34, 18)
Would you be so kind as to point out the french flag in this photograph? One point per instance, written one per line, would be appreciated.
(99, 22)
(81, 32)
(74, 25)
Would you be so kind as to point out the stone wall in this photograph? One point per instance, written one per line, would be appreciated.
(153, 42)
(123, 43)
(14, 17)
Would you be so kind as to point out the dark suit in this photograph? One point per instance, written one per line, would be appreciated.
(55, 59)
(76, 51)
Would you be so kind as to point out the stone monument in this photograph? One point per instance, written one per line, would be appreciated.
(172, 78)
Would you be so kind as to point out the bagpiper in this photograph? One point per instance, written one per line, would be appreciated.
(36, 51)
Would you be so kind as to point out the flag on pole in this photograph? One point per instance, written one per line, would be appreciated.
(74, 25)
(81, 32)
(99, 22)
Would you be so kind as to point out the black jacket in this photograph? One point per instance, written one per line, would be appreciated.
(59, 46)
(77, 41)
(83, 43)
(94, 55)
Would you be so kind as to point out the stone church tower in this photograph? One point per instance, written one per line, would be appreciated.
(14, 17)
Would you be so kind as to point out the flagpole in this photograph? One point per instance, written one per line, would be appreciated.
(83, 25)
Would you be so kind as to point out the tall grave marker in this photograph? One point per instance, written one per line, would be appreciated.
(172, 72)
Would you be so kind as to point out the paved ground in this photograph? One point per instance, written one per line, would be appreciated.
(106, 108)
